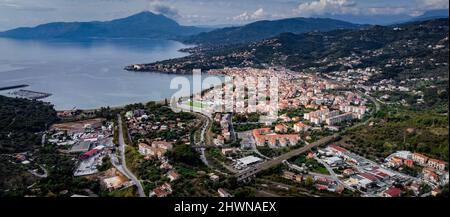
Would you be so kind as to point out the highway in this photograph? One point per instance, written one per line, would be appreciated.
(124, 167)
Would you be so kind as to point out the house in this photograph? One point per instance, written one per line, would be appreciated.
(301, 127)
(436, 164)
(430, 174)
(264, 136)
(161, 191)
(281, 128)
(173, 175)
(292, 176)
(227, 151)
(165, 165)
(395, 162)
(285, 118)
(392, 192)
(223, 193)
(419, 158)
(151, 151)
(144, 149)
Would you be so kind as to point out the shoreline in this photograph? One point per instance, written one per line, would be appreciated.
(161, 101)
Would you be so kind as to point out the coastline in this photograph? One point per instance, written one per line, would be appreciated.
(161, 101)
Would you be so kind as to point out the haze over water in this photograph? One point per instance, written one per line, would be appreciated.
(88, 74)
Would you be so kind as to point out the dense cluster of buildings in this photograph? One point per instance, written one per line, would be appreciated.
(294, 90)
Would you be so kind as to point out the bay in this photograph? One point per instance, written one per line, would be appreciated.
(88, 74)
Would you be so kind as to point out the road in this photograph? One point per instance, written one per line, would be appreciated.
(200, 146)
(124, 168)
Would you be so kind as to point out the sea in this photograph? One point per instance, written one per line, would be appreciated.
(89, 74)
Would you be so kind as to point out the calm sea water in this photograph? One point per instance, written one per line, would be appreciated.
(87, 74)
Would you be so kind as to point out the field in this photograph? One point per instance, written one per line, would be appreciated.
(78, 125)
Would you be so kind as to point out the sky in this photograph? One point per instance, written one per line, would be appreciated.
(18, 13)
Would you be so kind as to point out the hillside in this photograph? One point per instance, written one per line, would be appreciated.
(398, 51)
(141, 25)
(266, 29)
(22, 120)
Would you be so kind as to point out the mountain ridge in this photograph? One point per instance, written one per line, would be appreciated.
(267, 28)
(144, 24)
(425, 42)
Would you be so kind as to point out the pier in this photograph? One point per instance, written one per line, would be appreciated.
(14, 87)
(28, 94)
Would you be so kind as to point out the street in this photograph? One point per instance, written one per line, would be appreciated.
(124, 168)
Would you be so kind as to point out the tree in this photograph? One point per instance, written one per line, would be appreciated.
(185, 154)
(309, 182)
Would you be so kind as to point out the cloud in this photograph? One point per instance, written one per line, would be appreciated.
(322, 7)
(165, 10)
(346, 7)
(246, 16)
(11, 5)
(433, 4)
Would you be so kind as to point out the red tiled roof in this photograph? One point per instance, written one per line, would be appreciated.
(420, 155)
(393, 192)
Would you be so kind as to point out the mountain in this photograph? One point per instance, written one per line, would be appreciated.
(266, 29)
(386, 19)
(399, 52)
(141, 25)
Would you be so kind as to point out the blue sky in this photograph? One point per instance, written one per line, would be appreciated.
(15, 13)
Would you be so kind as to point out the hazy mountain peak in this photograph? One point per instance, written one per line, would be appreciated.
(143, 25)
